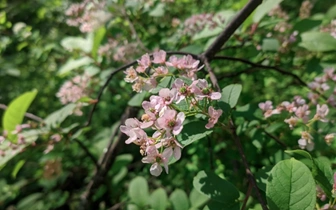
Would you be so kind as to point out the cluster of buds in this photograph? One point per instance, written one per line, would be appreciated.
(305, 9)
(123, 52)
(20, 138)
(186, 66)
(197, 23)
(283, 25)
(87, 15)
(162, 113)
(300, 112)
(73, 90)
(321, 85)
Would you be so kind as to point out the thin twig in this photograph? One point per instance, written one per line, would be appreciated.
(88, 153)
(213, 77)
(275, 138)
(246, 165)
(231, 28)
(134, 32)
(248, 194)
(27, 114)
(106, 160)
(278, 69)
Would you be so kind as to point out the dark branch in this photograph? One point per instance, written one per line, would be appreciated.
(88, 153)
(278, 69)
(246, 165)
(231, 28)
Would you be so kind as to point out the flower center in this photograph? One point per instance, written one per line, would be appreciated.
(171, 123)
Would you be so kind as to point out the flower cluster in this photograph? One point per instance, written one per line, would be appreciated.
(121, 53)
(87, 15)
(299, 109)
(305, 9)
(163, 113)
(186, 66)
(73, 90)
(283, 25)
(20, 137)
(197, 23)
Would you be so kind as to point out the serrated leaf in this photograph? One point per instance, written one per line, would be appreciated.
(291, 186)
(159, 199)
(324, 175)
(73, 64)
(318, 41)
(15, 112)
(179, 199)
(193, 131)
(137, 99)
(216, 188)
(57, 117)
(230, 94)
(138, 191)
(264, 9)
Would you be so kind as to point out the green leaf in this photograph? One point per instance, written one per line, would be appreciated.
(231, 93)
(214, 205)
(269, 44)
(137, 99)
(324, 175)
(264, 9)
(72, 64)
(306, 25)
(166, 82)
(158, 11)
(17, 168)
(138, 191)
(57, 117)
(77, 43)
(318, 41)
(179, 199)
(197, 199)
(98, 37)
(15, 112)
(193, 131)
(216, 188)
(291, 186)
(159, 199)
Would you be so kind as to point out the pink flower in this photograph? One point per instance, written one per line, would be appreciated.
(131, 75)
(132, 130)
(173, 61)
(306, 141)
(214, 115)
(202, 90)
(159, 57)
(168, 95)
(171, 122)
(329, 138)
(182, 90)
(291, 121)
(303, 112)
(266, 106)
(160, 71)
(172, 145)
(153, 156)
(144, 63)
(321, 112)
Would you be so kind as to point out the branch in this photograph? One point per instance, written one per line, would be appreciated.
(106, 161)
(231, 28)
(278, 69)
(27, 114)
(246, 165)
(87, 152)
